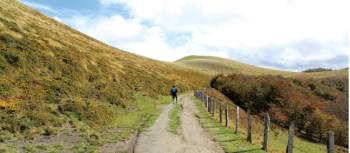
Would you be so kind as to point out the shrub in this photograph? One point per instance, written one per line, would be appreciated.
(49, 130)
(325, 95)
(12, 59)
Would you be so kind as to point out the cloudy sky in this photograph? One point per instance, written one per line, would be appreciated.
(282, 34)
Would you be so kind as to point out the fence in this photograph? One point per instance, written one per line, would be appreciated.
(212, 105)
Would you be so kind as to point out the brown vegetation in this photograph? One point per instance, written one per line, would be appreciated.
(316, 105)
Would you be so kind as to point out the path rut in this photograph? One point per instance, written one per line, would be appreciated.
(192, 138)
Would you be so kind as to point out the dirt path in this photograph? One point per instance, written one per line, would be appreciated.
(191, 138)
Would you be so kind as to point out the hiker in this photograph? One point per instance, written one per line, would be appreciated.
(173, 92)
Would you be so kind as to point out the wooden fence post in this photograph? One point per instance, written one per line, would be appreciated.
(213, 109)
(207, 100)
(266, 131)
(227, 117)
(249, 131)
(237, 119)
(203, 98)
(209, 104)
(220, 114)
(330, 144)
(202, 94)
(290, 137)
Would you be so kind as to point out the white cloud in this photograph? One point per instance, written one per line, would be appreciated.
(242, 29)
(57, 18)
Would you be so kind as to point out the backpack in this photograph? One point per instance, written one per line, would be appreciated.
(173, 90)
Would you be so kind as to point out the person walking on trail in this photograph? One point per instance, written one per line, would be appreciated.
(173, 92)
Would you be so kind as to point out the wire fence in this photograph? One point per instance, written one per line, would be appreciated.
(224, 112)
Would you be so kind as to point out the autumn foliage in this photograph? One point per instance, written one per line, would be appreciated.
(316, 106)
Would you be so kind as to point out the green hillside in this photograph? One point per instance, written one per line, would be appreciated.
(216, 65)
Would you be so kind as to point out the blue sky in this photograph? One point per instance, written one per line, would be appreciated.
(281, 34)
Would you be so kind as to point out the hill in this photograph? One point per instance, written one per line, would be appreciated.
(342, 73)
(54, 76)
(216, 65)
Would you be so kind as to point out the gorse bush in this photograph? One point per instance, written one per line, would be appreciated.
(310, 103)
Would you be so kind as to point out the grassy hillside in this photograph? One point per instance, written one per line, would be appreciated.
(326, 74)
(52, 76)
(215, 65)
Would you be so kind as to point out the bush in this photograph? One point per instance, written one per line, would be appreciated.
(325, 95)
(49, 130)
(250, 92)
(12, 59)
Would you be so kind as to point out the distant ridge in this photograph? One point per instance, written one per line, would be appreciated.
(216, 65)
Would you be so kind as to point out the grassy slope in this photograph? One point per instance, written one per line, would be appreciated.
(214, 65)
(53, 77)
(138, 114)
(326, 74)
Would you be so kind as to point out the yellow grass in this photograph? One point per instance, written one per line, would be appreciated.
(216, 65)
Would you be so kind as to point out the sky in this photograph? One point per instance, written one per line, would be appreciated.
(281, 34)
